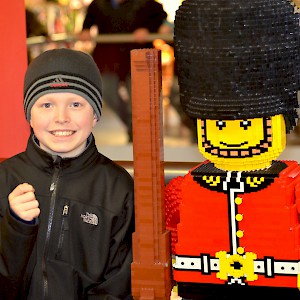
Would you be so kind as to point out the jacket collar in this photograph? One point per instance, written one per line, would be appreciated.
(44, 160)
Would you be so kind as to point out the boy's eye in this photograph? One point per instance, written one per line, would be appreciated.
(245, 124)
(46, 105)
(221, 124)
(76, 104)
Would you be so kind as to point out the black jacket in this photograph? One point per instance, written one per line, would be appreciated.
(80, 247)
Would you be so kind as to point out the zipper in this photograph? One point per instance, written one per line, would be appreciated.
(64, 228)
(65, 210)
(53, 189)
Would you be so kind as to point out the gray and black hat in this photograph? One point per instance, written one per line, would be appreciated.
(63, 70)
(238, 59)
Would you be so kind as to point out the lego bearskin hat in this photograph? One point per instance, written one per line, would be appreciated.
(238, 59)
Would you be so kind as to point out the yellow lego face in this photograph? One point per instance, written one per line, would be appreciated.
(242, 145)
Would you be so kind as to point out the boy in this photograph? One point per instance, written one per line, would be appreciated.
(66, 211)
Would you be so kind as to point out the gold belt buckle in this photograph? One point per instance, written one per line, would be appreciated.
(236, 265)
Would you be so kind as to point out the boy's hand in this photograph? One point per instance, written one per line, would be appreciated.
(23, 203)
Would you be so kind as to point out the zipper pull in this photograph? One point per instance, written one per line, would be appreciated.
(52, 186)
(65, 219)
(65, 210)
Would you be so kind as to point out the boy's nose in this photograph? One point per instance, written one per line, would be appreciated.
(62, 115)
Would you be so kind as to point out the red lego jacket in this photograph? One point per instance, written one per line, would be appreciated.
(236, 227)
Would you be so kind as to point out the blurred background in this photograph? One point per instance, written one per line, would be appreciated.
(58, 23)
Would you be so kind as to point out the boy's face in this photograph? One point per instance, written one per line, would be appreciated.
(62, 123)
(241, 145)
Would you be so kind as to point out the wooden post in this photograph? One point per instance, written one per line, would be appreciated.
(151, 267)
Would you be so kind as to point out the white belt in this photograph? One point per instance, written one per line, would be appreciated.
(207, 264)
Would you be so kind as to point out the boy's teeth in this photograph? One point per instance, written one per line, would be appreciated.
(62, 133)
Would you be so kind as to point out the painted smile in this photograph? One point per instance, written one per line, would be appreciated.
(234, 145)
(237, 152)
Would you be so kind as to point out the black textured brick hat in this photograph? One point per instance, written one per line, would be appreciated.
(238, 59)
(63, 70)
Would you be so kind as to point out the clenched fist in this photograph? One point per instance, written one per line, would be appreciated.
(23, 203)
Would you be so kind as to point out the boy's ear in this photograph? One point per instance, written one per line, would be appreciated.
(95, 120)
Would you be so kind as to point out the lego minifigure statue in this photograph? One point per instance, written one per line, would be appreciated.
(234, 218)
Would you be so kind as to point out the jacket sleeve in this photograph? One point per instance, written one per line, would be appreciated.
(16, 243)
(117, 278)
(151, 16)
(91, 17)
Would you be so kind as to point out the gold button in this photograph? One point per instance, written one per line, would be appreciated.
(239, 217)
(240, 250)
(238, 200)
(240, 233)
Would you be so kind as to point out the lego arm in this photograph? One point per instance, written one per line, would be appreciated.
(172, 202)
(297, 197)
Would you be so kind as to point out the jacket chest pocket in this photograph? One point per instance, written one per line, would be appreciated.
(83, 236)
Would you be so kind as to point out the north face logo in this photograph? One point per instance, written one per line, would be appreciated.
(90, 219)
(58, 82)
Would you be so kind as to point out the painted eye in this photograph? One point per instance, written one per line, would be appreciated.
(221, 124)
(245, 124)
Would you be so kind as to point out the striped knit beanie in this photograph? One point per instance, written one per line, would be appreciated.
(63, 70)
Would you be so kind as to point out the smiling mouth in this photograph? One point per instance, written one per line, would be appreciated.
(62, 133)
(236, 150)
(234, 145)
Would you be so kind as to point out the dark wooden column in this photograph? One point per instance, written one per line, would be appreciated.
(151, 267)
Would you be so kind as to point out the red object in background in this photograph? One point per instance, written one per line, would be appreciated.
(14, 129)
